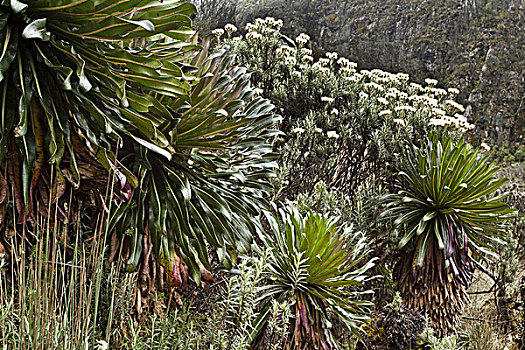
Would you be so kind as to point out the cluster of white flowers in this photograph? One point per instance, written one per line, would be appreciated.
(383, 100)
(374, 86)
(400, 109)
(302, 39)
(346, 72)
(254, 36)
(343, 62)
(306, 52)
(332, 56)
(457, 121)
(453, 91)
(258, 92)
(327, 99)
(332, 134)
(437, 92)
(399, 97)
(272, 22)
(423, 100)
(230, 28)
(484, 146)
(318, 66)
(218, 32)
(439, 111)
(308, 58)
(417, 87)
(455, 105)
(324, 62)
(395, 95)
(268, 25)
(403, 77)
(285, 50)
(290, 61)
(400, 122)
(250, 27)
(431, 82)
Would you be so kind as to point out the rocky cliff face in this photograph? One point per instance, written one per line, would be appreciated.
(477, 46)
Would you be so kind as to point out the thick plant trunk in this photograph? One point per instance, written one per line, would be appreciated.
(432, 289)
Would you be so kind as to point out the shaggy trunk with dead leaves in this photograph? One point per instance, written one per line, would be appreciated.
(432, 289)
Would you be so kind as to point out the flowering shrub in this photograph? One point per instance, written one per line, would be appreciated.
(341, 125)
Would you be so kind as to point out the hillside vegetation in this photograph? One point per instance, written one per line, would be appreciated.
(475, 45)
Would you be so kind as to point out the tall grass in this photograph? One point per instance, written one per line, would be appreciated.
(51, 281)
(58, 291)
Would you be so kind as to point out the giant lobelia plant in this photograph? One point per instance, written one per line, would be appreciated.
(450, 217)
(315, 267)
(92, 90)
(213, 189)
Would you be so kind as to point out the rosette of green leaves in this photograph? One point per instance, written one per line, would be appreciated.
(212, 190)
(315, 266)
(449, 192)
(79, 78)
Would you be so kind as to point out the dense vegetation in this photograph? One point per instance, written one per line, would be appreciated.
(242, 190)
(474, 45)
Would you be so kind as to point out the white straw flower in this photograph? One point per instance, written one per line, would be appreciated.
(431, 82)
(306, 52)
(438, 111)
(453, 91)
(324, 62)
(230, 28)
(455, 105)
(302, 39)
(416, 87)
(254, 36)
(218, 32)
(291, 61)
(402, 76)
(258, 92)
(332, 135)
(307, 58)
(327, 99)
(270, 21)
(399, 122)
(331, 56)
(383, 100)
(343, 62)
(345, 71)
